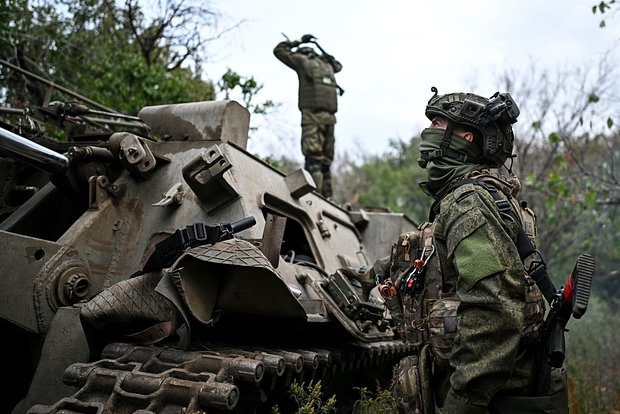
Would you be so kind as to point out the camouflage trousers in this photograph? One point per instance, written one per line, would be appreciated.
(415, 393)
(317, 145)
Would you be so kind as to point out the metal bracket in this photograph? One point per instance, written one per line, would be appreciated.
(205, 176)
(99, 190)
(135, 155)
(174, 195)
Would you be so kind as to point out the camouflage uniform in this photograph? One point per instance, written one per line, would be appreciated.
(476, 248)
(475, 306)
(318, 103)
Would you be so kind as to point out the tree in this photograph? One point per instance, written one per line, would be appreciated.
(568, 147)
(174, 34)
(604, 7)
(25, 40)
(109, 52)
(388, 180)
(121, 55)
(248, 88)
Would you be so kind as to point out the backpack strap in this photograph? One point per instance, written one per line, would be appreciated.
(537, 268)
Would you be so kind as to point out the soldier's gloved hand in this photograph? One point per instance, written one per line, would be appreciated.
(307, 38)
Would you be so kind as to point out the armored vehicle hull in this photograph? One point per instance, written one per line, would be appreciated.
(181, 273)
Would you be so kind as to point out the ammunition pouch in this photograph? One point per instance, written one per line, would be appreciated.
(412, 388)
(408, 386)
(534, 315)
(442, 327)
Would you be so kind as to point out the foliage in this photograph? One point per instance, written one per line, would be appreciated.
(142, 85)
(172, 35)
(602, 8)
(115, 53)
(248, 87)
(388, 180)
(284, 164)
(97, 48)
(381, 403)
(593, 360)
(309, 399)
(567, 147)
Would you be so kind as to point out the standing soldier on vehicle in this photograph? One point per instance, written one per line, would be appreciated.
(471, 305)
(318, 103)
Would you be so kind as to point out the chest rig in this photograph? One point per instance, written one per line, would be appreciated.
(414, 282)
(424, 306)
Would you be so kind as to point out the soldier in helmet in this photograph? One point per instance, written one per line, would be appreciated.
(318, 103)
(475, 311)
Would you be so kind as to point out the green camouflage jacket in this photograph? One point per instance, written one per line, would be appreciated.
(480, 262)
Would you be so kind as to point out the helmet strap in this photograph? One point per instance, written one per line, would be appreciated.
(447, 136)
(512, 160)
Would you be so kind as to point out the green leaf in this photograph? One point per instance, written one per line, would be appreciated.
(559, 161)
(590, 199)
(610, 123)
(562, 189)
(549, 203)
(593, 98)
(536, 125)
(554, 138)
(530, 179)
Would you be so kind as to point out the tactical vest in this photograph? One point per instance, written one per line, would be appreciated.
(428, 307)
(317, 87)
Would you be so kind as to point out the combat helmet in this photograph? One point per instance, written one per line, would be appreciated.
(491, 118)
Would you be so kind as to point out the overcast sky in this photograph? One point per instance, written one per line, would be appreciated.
(393, 51)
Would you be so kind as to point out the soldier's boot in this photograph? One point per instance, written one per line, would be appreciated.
(314, 168)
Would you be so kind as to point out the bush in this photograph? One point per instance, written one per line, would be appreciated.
(593, 360)
(309, 399)
(383, 403)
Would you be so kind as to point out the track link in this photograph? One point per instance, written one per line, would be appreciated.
(149, 379)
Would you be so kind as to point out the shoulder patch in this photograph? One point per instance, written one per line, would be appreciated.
(464, 224)
(476, 257)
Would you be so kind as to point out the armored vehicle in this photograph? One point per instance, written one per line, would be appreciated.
(151, 264)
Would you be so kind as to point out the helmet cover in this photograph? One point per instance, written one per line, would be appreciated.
(491, 118)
